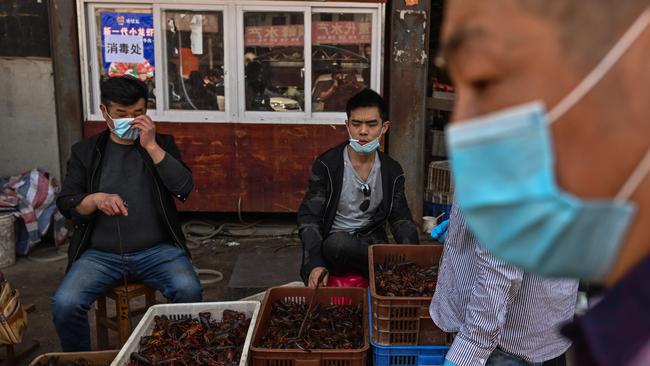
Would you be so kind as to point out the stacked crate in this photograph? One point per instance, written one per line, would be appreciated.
(401, 330)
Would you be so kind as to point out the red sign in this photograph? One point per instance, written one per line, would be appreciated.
(337, 32)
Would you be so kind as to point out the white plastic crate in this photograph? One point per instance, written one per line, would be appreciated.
(179, 311)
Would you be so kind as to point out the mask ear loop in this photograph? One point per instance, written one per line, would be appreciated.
(347, 128)
(606, 64)
(635, 179)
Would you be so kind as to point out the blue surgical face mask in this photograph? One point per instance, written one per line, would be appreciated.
(367, 148)
(123, 129)
(504, 172)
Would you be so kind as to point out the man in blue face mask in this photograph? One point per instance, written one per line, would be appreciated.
(119, 190)
(354, 190)
(550, 150)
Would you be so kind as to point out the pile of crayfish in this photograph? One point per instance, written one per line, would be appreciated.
(405, 279)
(198, 341)
(325, 327)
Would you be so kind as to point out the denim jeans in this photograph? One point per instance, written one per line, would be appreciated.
(501, 358)
(164, 267)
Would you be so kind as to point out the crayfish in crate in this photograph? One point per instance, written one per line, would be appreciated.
(405, 279)
(194, 341)
(292, 325)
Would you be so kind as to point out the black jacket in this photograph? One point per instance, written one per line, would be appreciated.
(82, 179)
(318, 209)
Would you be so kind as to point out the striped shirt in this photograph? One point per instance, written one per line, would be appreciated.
(492, 304)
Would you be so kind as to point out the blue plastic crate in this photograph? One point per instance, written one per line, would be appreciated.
(405, 355)
(408, 355)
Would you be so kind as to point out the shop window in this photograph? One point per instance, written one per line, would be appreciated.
(194, 55)
(274, 62)
(341, 58)
(232, 62)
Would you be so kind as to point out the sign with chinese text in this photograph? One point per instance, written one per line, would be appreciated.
(128, 44)
(335, 32)
(118, 48)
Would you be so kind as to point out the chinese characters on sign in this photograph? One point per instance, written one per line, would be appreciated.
(336, 32)
(118, 48)
(128, 44)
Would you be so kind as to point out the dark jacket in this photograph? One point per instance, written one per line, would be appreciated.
(82, 179)
(318, 209)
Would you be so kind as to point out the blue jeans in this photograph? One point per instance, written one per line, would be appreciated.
(501, 358)
(164, 267)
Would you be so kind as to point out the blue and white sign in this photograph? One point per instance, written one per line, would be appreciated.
(128, 44)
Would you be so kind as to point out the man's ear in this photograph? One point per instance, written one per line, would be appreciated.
(386, 126)
(103, 109)
(106, 115)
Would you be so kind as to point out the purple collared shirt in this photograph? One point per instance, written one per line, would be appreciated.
(617, 330)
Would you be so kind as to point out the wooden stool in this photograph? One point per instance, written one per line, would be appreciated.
(121, 323)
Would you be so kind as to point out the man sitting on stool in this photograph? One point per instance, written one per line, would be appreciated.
(119, 190)
(353, 191)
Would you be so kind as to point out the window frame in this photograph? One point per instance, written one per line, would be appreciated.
(234, 88)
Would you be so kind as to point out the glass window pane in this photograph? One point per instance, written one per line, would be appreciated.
(194, 55)
(274, 61)
(341, 58)
(125, 45)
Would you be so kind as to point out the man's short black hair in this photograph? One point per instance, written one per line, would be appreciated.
(125, 90)
(368, 98)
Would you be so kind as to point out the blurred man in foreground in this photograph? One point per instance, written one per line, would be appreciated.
(564, 178)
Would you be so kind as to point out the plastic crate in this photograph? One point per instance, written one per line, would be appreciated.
(95, 358)
(181, 311)
(439, 177)
(406, 355)
(401, 320)
(315, 357)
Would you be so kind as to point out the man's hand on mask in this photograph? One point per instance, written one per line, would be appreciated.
(439, 233)
(313, 277)
(110, 204)
(148, 137)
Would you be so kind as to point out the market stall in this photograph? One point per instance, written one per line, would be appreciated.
(386, 323)
(241, 85)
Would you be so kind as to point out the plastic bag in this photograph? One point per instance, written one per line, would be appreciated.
(13, 317)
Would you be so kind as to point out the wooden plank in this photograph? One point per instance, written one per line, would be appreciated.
(267, 165)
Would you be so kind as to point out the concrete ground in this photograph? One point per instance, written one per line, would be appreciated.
(272, 236)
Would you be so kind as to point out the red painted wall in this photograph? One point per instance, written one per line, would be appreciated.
(267, 165)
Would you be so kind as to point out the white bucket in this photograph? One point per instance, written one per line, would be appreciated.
(429, 223)
(7, 240)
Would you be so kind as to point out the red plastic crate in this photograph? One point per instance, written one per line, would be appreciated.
(296, 357)
(400, 320)
(94, 358)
